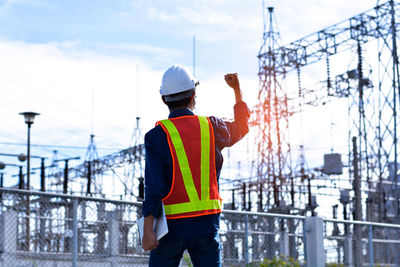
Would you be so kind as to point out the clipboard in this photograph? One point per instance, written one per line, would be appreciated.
(160, 225)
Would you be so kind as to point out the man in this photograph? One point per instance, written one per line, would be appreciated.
(183, 163)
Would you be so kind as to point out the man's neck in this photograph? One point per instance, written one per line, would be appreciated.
(171, 110)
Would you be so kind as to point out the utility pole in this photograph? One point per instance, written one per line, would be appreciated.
(395, 85)
(42, 176)
(1, 184)
(65, 184)
(66, 168)
(309, 194)
(249, 197)
(260, 197)
(356, 183)
(233, 199)
(244, 196)
(21, 178)
(357, 206)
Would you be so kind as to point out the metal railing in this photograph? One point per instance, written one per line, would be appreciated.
(249, 237)
(377, 244)
(41, 229)
(47, 229)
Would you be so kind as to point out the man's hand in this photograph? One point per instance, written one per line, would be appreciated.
(149, 241)
(233, 81)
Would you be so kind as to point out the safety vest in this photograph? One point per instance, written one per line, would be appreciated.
(194, 191)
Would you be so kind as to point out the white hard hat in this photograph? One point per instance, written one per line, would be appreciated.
(176, 80)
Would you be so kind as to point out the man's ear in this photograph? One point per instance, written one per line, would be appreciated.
(193, 96)
(193, 101)
(163, 99)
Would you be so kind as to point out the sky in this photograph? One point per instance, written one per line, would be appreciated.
(94, 66)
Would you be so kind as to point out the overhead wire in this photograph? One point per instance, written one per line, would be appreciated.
(51, 122)
(59, 103)
(21, 139)
(62, 146)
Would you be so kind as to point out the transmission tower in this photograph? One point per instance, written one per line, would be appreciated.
(373, 102)
(135, 169)
(371, 86)
(272, 119)
(91, 158)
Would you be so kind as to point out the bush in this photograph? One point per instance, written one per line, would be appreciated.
(277, 262)
(187, 259)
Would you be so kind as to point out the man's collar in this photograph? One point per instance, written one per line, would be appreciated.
(180, 113)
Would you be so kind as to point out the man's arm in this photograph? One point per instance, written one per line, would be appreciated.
(228, 133)
(233, 81)
(155, 188)
(149, 241)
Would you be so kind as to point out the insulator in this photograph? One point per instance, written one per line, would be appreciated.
(328, 72)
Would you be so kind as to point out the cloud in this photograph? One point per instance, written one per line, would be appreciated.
(11, 2)
(57, 80)
(7, 4)
(58, 84)
(158, 53)
(308, 16)
(205, 16)
(214, 22)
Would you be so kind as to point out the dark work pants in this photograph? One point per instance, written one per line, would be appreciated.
(204, 251)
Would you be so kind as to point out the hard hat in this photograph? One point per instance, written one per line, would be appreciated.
(176, 80)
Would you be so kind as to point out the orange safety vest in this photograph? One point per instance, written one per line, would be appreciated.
(194, 191)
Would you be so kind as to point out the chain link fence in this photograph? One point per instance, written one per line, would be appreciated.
(362, 243)
(249, 237)
(44, 229)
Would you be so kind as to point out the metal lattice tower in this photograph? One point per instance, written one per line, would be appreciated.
(373, 99)
(135, 170)
(367, 44)
(91, 159)
(272, 119)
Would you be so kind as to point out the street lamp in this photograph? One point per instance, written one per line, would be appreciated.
(29, 119)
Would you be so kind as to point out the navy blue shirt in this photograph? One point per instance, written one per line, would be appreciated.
(158, 170)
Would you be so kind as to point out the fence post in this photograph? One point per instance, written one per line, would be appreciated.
(9, 237)
(113, 230)
(315, 242)
(284, 243)
(42, 225)
(370, 246)
(348, 251)
(246, 239)
(305, 242)
(75, 232)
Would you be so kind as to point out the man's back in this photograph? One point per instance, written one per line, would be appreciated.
(183, 164)
(159, 169)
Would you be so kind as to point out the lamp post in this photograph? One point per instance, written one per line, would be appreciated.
(29, 119)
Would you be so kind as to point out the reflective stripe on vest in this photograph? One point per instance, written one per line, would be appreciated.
(195, 204)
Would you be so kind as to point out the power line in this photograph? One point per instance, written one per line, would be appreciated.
(59, 146)
(53, 100)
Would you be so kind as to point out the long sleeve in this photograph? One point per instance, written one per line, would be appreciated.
(156, 186)
(159, 170)
(228, 133)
